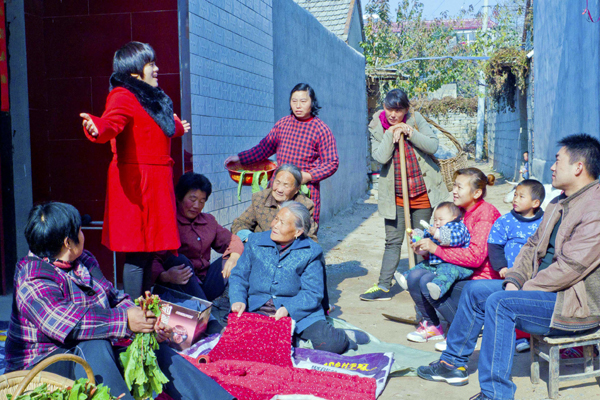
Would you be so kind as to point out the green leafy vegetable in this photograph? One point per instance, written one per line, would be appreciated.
(82, 389)
(141, 372)
(259, 180)
(305, 190)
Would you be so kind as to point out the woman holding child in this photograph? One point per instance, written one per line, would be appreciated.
(426, 186)
(479, 216)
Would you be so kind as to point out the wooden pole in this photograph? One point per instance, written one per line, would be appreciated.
(405, 200)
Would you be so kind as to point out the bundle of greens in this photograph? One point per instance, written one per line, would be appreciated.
(82, 389)
(141, 371)
(259, 180)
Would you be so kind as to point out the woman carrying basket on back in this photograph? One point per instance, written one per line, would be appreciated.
(426, 188)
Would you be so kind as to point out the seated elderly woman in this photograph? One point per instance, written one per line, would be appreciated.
(191, 271)
(280, 274)
(63, 304)
(266, 203)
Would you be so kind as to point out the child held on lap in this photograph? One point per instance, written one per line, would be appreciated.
(447, 231)
(511, 231)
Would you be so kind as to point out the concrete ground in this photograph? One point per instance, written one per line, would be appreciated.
(353, 243)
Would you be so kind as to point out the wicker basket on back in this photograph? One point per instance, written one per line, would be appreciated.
(19, 382)
(450, 165)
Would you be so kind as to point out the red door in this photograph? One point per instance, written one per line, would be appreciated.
(70, 45)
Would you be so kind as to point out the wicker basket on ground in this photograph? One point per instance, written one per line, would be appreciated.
(18, 382)
(450, 165)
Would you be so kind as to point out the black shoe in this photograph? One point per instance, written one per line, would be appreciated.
(440, 371)
(213, 327)
(357, 336)
(376, 293)
(480, 396)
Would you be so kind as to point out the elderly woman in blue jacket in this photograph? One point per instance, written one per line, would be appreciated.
(280, 274)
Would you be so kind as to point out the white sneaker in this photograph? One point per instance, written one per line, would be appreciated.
(426, 332)
(522, 345)
(401, 280)
(441, 346)
(434, 290)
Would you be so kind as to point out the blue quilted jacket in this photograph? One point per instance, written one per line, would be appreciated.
(293, 280)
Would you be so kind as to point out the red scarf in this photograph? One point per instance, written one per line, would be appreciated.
(60, 263)
(416, 184)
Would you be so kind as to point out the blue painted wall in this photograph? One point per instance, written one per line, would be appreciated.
(245, 57)
(304, 51)
(231, 76)
(567, 76)
(507, 138)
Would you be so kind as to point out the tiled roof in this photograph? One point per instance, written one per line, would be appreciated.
(332, 14)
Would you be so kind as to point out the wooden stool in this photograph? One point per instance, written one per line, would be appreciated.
(555, 344)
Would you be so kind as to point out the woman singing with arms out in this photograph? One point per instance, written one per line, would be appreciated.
(139, 214)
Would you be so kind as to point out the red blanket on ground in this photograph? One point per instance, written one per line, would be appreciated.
(252, 361)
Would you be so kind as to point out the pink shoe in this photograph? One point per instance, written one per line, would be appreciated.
(426, 332)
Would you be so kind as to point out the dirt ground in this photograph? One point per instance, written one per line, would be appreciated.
(353, 242)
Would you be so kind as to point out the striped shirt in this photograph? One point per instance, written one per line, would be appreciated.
(54, 306)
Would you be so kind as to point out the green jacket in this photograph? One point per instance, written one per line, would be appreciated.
(425, 143)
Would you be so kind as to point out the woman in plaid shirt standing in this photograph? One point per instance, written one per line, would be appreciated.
(302, 139)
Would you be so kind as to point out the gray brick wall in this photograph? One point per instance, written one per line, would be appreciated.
(567, 78)
(462, 126)
(231, 78)
(245, 56)
(507, 138)
(304, 51)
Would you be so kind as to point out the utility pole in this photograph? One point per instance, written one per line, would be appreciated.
(481, 97)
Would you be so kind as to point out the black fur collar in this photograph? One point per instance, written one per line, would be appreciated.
(156, 102)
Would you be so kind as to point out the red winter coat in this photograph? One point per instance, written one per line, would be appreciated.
(479, 221)
(139, 214)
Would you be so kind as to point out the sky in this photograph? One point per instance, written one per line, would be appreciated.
(433, 8)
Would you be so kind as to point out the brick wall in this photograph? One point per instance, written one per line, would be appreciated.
(304, 51)
(231, 77)
(462, 126)
(507, 138)
(243, 61)
(567, 77)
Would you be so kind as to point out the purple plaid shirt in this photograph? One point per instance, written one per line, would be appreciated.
(52, 306)
(309, 145)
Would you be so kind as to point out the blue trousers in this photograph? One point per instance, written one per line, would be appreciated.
(446, 274)
(485, 303)
(185, 380)
(209, 289)
(446, 305)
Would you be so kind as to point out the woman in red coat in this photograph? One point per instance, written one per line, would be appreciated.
(139, 214)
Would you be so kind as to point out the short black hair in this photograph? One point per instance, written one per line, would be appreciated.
(535, 188)
(305, 87)
(396, 99)
(48, 225)
(450, 206)
(131, 58)
(585, 148)
(192, 181)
